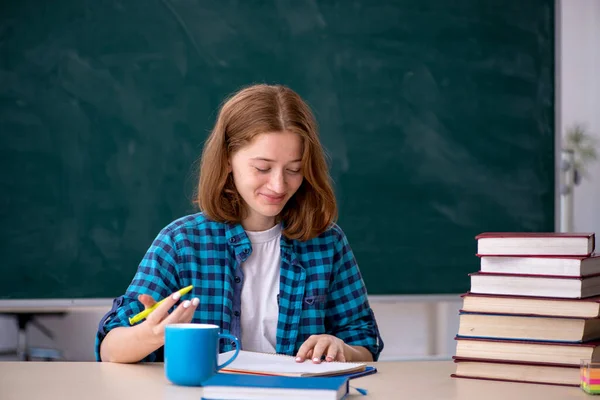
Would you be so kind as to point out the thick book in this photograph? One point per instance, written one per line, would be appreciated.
(541, 265)
(247, 387)
(527, 351)
(534, 306)
(535, 243)
(517, 372)
(532, 285)
(519, 327)
(248, 362)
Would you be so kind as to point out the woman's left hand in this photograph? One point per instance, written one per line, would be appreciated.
(317, 346)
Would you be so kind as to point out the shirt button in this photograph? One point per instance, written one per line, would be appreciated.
(246, 251)
(237, 279)
(236, 313)
(232, 240)
(233, 344)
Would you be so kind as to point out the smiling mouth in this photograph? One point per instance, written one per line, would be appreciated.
(273, 199)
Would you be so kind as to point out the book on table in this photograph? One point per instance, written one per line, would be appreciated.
(248, 362)
(274, 376)
(534, 285)
(523, 327)
(533, 310)
(517, 372)
(588, 307)
(527, 351)
(535, 243)
(252, 387)
(541, 265)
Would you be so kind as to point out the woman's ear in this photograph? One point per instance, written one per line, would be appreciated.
(229, 169)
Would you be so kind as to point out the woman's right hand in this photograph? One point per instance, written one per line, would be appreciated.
(155, 323)
(125, 344)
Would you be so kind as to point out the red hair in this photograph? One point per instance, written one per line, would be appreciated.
(259, 109)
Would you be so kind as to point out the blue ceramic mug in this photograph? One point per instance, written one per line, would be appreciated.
(192, 351)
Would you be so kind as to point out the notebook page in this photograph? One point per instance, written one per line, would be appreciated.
(276, 364)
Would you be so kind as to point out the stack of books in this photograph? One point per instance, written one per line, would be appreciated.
(253, 376)
(533, 310)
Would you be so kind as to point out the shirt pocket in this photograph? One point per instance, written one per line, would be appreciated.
(312, 321)
(315, 301)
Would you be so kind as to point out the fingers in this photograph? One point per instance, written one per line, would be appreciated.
(307, 346)
(317, 347)
(146, 300)
(340, 355)
(332, 352)
(162, 310)
(183, 313)
(176, 314)
(335, 351)
(309, 354)
(188, 314)
(320, 350)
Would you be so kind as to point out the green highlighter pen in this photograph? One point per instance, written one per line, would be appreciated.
(138, 317)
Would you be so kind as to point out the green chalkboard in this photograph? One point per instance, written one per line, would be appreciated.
(438, 117)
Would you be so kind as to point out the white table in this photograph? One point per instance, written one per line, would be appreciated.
(414, 380)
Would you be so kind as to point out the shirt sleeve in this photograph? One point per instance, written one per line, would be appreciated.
(349, 314)
(156, 276)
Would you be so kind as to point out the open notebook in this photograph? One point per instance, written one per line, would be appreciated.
(248, 362)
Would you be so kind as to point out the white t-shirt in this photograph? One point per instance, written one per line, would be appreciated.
(259, 292)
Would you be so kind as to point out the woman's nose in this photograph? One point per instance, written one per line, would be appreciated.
(277, 182)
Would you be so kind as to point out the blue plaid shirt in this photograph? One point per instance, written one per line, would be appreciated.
(321, 290)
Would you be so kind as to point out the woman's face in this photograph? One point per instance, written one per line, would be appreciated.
(266, 173)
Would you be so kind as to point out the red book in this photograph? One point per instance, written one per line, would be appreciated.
(535, 244)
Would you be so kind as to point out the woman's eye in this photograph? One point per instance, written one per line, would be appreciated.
(294, 171)
(262, 170)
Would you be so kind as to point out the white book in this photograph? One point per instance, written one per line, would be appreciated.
(276, 364)
(556, 266)
(542, 286)
(555, 375)
(535, 244)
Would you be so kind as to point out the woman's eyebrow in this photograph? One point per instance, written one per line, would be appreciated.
(270, 160)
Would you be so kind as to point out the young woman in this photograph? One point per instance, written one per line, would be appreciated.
(267, 262)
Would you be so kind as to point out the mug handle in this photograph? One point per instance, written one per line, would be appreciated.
(237, 349)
